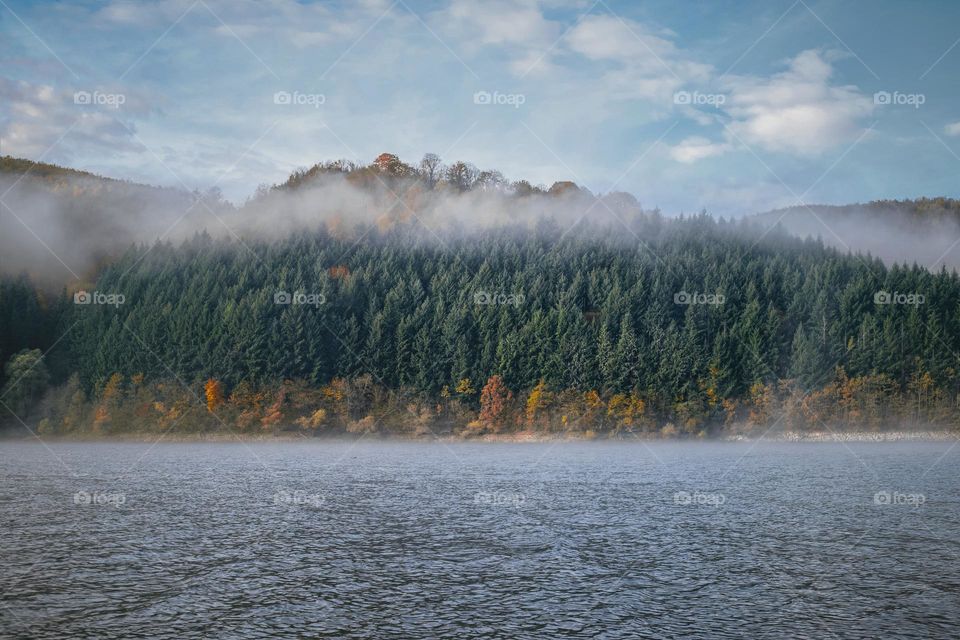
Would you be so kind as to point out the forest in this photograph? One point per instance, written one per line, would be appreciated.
(686, 327)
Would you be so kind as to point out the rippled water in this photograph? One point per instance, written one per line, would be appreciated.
(380, 540)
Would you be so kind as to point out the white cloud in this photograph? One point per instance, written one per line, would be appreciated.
(303, 25)
(516, 28)
(648, 65)
(952, 129)
(35, 116)
(634, 45)
(636, 62)
(503, 22)
(796, 111)
(239, 30)
(604, 37)
(125, 12)
(697, 148)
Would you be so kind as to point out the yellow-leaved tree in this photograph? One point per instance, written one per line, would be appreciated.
(214, 393)
(537, 402)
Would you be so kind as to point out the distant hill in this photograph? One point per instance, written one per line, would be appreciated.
(56, 221)
(925, 230)
(21, 167)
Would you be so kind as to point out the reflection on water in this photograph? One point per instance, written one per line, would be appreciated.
(379, 540)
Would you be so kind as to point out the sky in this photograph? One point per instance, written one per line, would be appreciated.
(733, 106)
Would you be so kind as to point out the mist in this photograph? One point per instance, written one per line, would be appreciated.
(925, 232)
(60, 232)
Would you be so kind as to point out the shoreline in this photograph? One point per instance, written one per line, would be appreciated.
(521, 437)
(854, 436)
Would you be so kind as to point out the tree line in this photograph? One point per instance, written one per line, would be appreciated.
(684, 326)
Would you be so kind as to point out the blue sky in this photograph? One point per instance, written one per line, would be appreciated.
(732, 106)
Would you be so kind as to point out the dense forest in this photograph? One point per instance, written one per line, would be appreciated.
(689, 326)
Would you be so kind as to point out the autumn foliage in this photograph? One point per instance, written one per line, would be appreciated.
(493, 402)
(537, 402)
(214, 394)
(338, 272)
(358, 405)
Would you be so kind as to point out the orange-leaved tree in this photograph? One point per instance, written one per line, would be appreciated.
(493, 401)
(214, 392)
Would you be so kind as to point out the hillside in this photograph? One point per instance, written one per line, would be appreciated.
(60, 224)
(925, 230)
(392, 298)
(695, 329)
(18, 167)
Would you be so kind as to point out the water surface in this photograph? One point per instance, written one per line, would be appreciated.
(429, 540)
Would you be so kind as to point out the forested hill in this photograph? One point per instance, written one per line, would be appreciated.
(691, 325)
(20, 167)
(917, 211)
(60, 224)
(443, 298)
(925, 230)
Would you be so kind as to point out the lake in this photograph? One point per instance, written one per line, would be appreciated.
(469, 540)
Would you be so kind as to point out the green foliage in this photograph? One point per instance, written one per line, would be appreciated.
(405, 314)
(27, 379)
(24, 323)
(408, 314)
(421, 313)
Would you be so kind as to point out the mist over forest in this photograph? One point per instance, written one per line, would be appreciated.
(925, 231)
(391, 298)
(85, 221)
